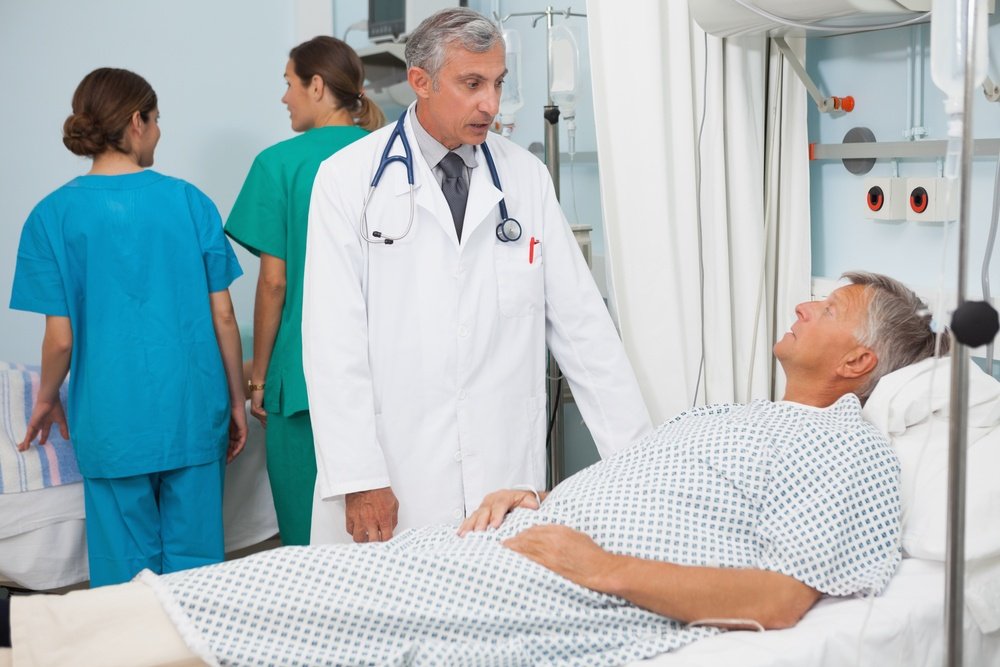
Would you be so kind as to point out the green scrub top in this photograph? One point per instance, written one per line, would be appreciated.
(270, 216)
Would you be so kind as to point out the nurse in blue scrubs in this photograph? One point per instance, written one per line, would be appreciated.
(131, 270)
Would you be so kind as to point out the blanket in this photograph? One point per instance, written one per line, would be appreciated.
(40, 467)
(788, 488)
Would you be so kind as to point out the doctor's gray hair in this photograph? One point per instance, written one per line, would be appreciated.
(426, 46)
(897, 329)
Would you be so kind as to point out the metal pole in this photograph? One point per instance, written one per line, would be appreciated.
(955, 559)
(554, 439)
(551, 115)
(551, 111)
(548, 58)
(555, 430)
(555, 435)
(958, 426)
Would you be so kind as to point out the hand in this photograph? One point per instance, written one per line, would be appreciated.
(372, 515)
(44, 414)
(495, 507)
(237, 432)
(566, 552)
(257, 406)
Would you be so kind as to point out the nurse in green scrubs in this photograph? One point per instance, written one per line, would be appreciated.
(327, 104)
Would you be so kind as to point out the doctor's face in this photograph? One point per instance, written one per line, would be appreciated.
(458, 105)
(824, 332)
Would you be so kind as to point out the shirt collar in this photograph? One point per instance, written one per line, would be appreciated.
(433, 150)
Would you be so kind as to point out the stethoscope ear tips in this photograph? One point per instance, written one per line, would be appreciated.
(378, 235)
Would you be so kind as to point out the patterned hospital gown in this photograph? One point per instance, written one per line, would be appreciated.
(811, 493)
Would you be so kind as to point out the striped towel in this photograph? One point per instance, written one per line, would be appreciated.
(40, 467)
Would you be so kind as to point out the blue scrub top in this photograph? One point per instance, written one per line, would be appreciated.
(131, 260)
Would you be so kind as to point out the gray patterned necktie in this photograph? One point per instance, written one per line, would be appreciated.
(455, 188)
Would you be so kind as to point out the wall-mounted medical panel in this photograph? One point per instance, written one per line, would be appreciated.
(929, 201)
(885, 199)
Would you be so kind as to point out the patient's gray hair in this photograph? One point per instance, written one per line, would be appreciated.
(898, 327)
(426, 46)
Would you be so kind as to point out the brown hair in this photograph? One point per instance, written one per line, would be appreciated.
(343, 73)
(103, 105)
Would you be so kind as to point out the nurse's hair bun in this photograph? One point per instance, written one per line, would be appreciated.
(83, 135)
(103, 106)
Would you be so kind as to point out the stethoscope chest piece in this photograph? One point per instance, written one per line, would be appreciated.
(509, 230)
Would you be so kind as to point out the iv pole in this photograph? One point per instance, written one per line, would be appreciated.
(551, 115)
(973, 324)
(958, 427)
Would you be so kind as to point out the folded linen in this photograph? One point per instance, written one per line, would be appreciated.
(42, 466)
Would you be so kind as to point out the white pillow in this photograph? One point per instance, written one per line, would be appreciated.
(912, 406)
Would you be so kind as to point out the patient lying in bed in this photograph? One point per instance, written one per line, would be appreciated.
(726, 514)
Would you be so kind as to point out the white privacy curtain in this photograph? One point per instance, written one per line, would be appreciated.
(747, 240)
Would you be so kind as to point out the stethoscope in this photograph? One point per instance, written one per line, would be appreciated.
(507, 231)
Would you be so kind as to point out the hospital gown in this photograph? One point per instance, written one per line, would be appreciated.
(811, 493)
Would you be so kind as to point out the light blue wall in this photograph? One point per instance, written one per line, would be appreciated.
(873, 68)
(217, 70)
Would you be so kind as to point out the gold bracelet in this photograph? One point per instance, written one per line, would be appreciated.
(254, 387)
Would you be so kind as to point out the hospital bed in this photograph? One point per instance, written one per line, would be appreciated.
(904, 625)
(42, 532)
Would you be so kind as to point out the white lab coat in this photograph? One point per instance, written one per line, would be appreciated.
(425, 359)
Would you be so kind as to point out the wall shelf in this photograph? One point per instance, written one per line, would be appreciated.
(892, 150)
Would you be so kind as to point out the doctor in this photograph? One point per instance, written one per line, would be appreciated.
(424, 356)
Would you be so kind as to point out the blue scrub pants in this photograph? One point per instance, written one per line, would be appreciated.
(163, 521)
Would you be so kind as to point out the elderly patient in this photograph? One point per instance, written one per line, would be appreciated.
(739, 515)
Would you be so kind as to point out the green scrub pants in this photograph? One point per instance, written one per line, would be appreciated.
(291, 467)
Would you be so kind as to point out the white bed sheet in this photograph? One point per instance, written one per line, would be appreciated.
(905, 628)
(42, 533)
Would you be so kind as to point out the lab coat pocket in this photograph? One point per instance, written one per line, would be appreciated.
(520, 282)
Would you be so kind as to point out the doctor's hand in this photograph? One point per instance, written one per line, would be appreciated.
(44, 414)
(496, 506)
(566, 552)
(372, 515)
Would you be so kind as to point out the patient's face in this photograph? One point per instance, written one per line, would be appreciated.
(824, 331)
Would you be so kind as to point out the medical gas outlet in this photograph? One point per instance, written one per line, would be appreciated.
(928, 200)
(885, 198)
